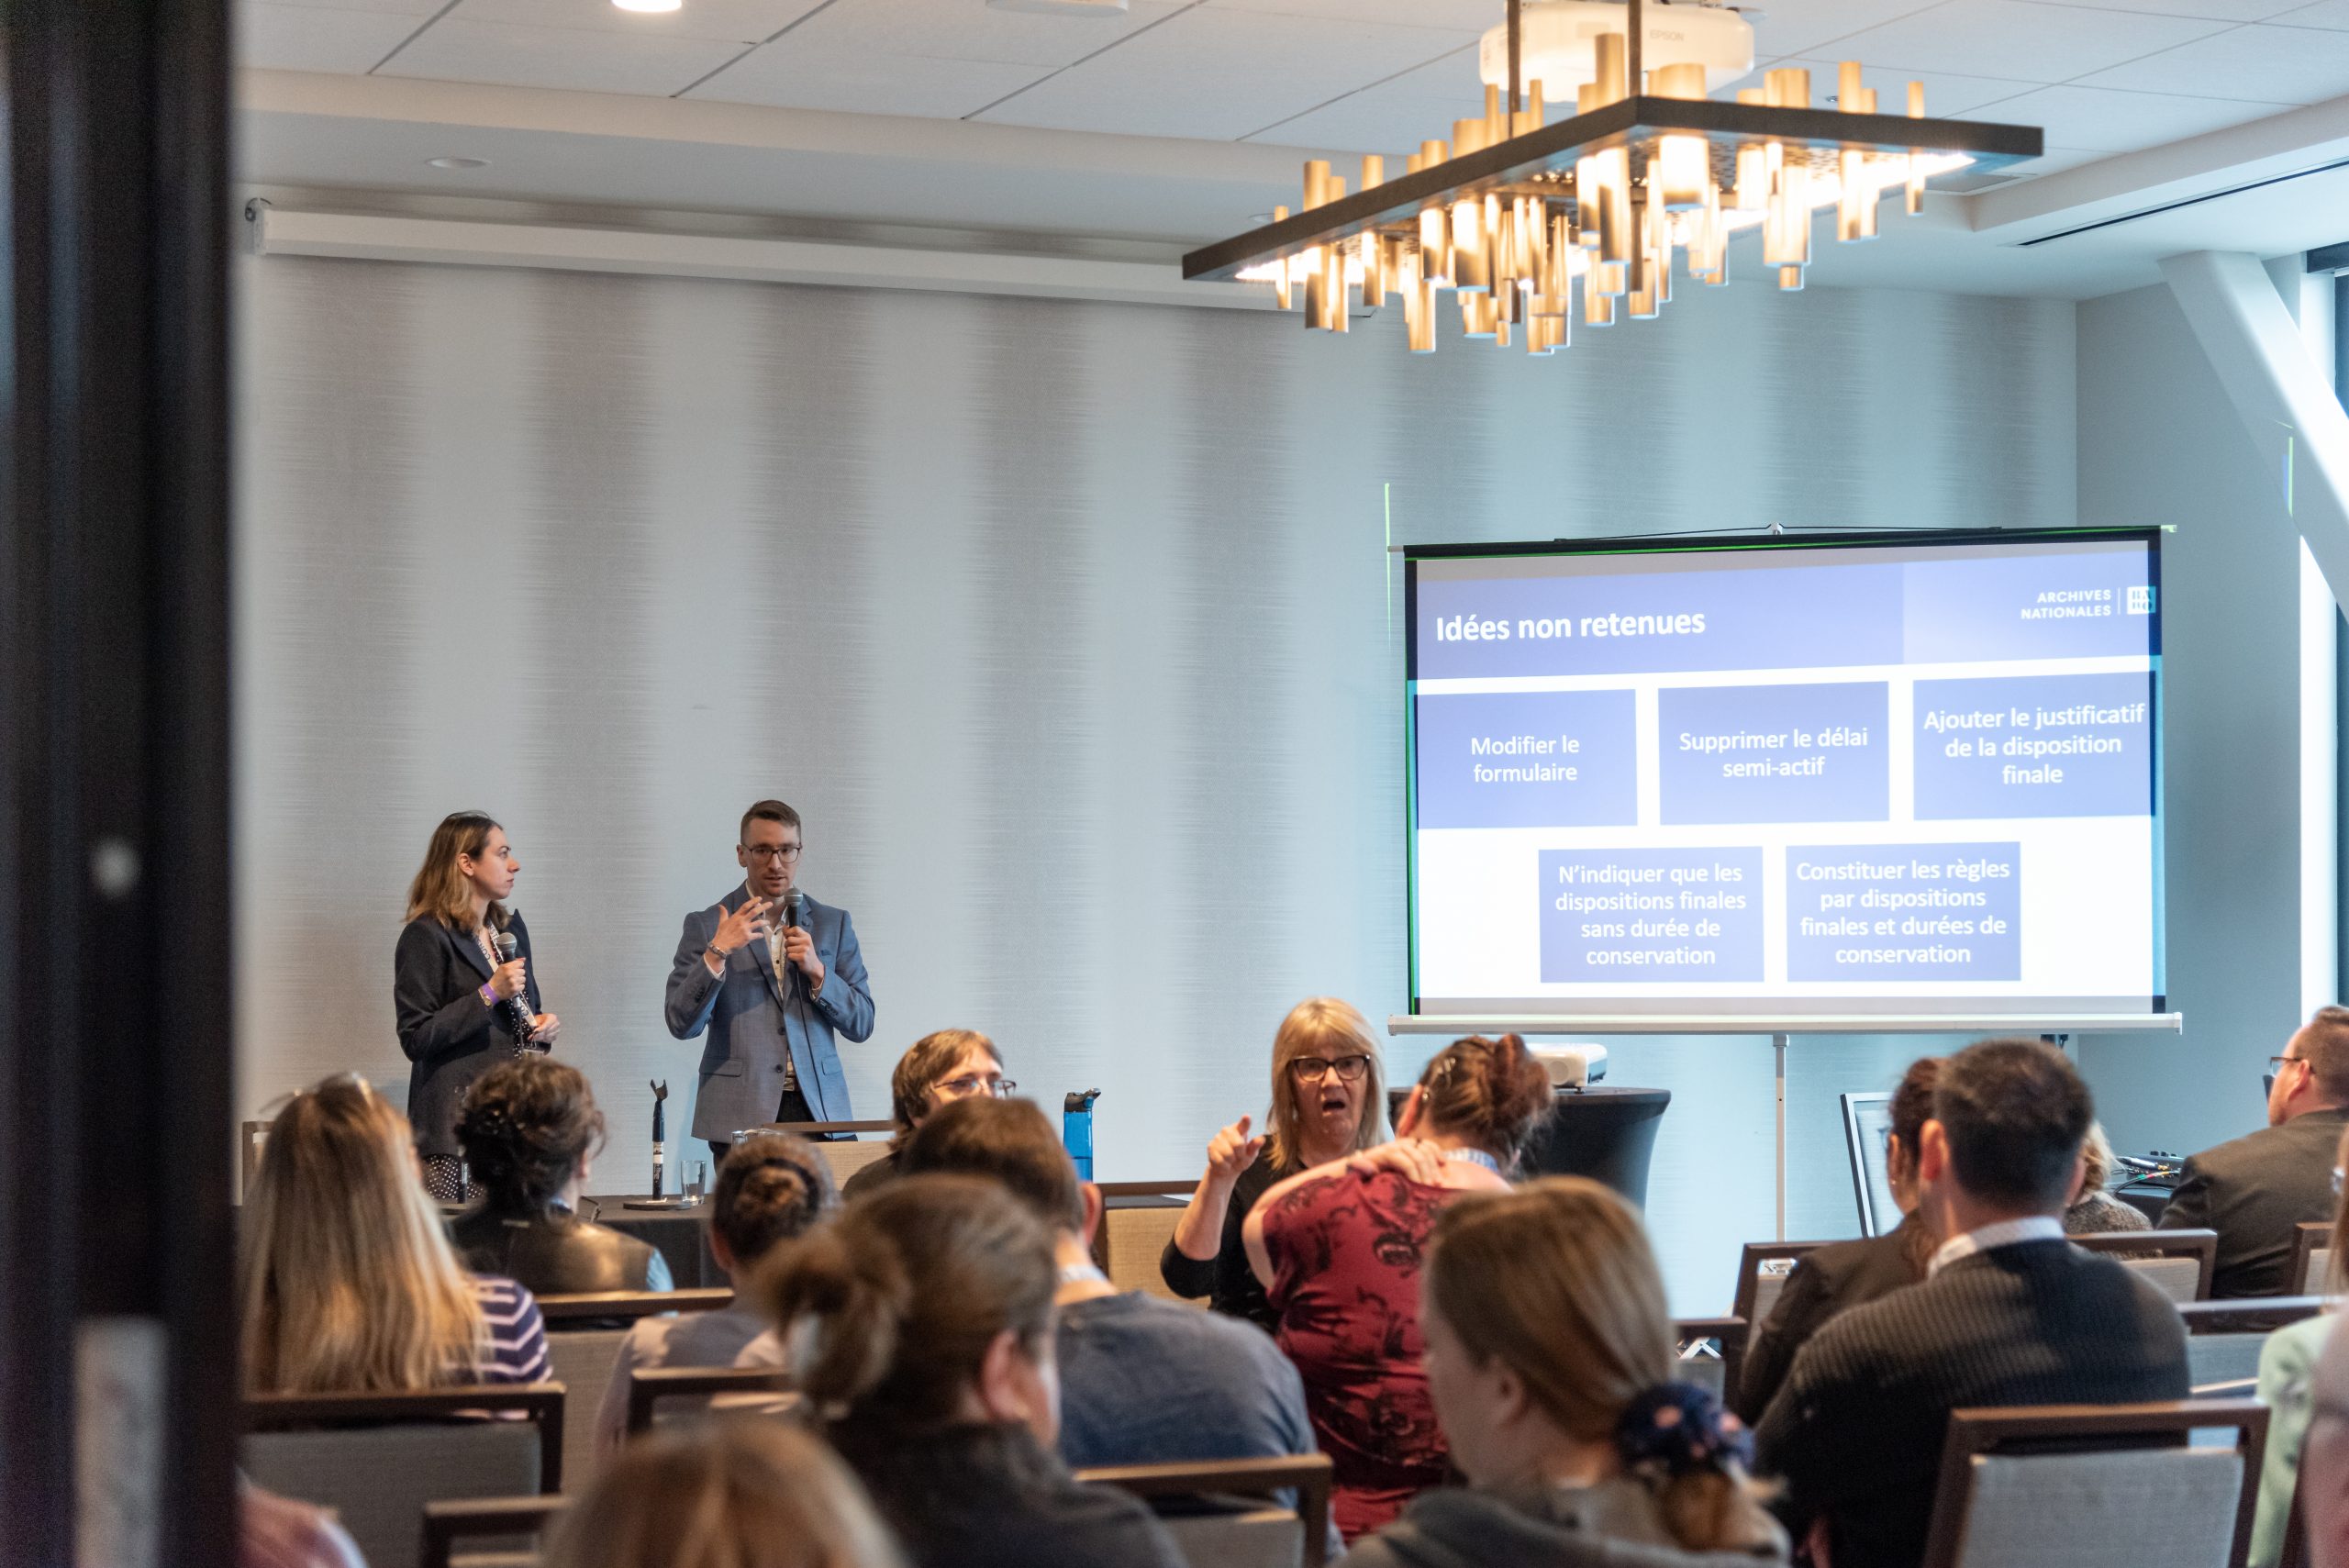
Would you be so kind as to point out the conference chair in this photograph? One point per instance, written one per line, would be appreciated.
(480, 1532)
(1761, 1271)
(2223, 1338)
(1205, 1507)
(379, 1459)
(1712, 1353)
(583, 1336)
(2311, 1257)
(1137, 1221)
(2178, 1263)
(841, 1143)
(2099, 1486)
(721, 1388)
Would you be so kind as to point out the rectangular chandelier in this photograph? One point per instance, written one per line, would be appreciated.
(1517, 218)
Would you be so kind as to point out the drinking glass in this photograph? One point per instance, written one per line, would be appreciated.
(696, 1176)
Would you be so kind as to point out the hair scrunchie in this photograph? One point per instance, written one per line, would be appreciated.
(1677, 1429)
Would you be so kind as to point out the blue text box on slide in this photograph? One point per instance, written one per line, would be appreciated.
(1904, 912)
(1755, 618)
(1634, 915)
(1796, 754)
(1527, 760)
(2044, 605)
(2035, 746)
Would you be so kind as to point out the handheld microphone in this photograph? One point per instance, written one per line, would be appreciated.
(791, 921)
(517, 1015)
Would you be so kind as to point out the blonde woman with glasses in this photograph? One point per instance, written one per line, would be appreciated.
(1329, 1101)
(346, 1281)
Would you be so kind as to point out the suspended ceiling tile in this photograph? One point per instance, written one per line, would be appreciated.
(972, 30)
(2215, 10)
(317, 38)
(2267, 64)
(742, 21)
(2109, 121)
(1224, 75)
(1466, 15)
(788, 74)
(1375, 120)
(1946, 97)
(580, 59)
(2019, 40)
(2323, 14)
(1798, 27)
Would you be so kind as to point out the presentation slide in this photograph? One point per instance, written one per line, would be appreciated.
(1917, 776)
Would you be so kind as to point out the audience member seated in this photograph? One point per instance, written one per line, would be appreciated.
(730, 1494)
(1550, 1355)
(1329, 1101)
(529, 1128)
(1842, 1275)
(2286, 1370)
(1143, 1381)
(346, 1281)
(279, 1533)
(2324, 1457)
(1337, 1249)
(2257, 1191)
(771, 1187)
(921, 1321)
(2011, 1313)
(936, 1069)
(2094, 1211)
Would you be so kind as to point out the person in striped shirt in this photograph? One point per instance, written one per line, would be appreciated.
(347, 1281)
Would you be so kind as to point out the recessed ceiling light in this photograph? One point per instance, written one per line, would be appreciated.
(458, 162)
(650, 5)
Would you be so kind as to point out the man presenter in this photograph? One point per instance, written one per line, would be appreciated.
(773, 976)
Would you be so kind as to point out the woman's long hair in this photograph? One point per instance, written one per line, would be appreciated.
(346, 1280)
(1555, 1279)
(1329, 1028)
(525, 1126)
(889, 1310)
(440, 889)
(1911, 1108)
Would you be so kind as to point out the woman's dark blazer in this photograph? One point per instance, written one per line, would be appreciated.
(437, 976)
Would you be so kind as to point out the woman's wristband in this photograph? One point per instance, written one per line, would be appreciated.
(489, 996)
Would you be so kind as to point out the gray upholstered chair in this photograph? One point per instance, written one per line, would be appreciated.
(584, 1335)
(377, 1459)
(759, 1390)
(492, 1532)
(1712, 1353)
(2177, 1262)
(2224, 1338)
(2311, 1257)
(2099, 1486)
(1232, 1513)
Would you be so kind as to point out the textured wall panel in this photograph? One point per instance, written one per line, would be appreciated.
(1069, 627)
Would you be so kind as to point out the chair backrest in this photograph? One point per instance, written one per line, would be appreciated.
(648, 1387)
(845, 1154)
(1761, 1271)
(583, 1359)
(1712, 1353)
(378, 1459)
(2311, 1257)
(2177, 1262)
(602, 1309)
(1135, 1228)
(2097, 1486)
(503, 1520)
(1237, 1537)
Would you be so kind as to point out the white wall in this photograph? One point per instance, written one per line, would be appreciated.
(1069, 628)
(2159, 444)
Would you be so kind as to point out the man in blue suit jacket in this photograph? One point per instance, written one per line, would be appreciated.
(771, 989)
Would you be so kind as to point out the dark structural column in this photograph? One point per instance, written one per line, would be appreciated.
(117, 1323)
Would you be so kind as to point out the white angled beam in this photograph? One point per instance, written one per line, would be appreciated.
(2264, 364)
(280, 231)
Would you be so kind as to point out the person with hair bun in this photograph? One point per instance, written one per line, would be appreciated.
(729, 1495)
(921, 1323)
(1337, 1249)
(1844, 1274)
(1550, 1355)
(771, 1187)
(531, 1129)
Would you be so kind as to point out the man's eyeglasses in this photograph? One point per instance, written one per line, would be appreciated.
(773, 851)
(992, 1084)
(1310, 1069)
(2276, 1063)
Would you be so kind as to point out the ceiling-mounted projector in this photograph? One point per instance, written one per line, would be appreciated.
(1556, 36)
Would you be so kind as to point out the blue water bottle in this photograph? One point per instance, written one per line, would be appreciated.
(1076, 1130)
